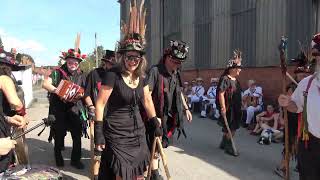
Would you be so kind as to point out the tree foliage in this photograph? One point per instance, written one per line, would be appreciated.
(90, 62)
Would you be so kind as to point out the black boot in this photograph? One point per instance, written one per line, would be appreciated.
(77, 164)
(223, 142)
(155, 175)
(228, 148)
(59, 158)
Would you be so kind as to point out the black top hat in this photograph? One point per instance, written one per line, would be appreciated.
(109, 56)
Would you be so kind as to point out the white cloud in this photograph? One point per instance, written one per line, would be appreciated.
(28, 46)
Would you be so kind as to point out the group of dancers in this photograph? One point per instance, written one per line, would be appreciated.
(131, 106)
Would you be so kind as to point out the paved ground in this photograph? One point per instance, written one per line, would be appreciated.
(195, 158)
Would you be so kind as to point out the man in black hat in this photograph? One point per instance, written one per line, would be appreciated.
(93, 80)
(70, 116)
(166, 90)
(93, 84)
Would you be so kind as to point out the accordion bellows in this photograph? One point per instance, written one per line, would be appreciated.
(69, 91)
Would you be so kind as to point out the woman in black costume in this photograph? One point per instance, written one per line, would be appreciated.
(229, 101)
(121, 133)
(10, 105)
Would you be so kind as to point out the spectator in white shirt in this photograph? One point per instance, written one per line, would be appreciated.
(308, 93)
(197, 92)
(210, 100)
(253, 92)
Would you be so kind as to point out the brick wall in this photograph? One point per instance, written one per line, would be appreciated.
(269, 78)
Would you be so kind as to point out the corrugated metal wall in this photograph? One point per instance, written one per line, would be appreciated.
(213, 28)
(172, 20)
(202, 34)
(188, 31)
(299, 24)
(221, 33)
(243, 29)
(316, 15)
(271, 25)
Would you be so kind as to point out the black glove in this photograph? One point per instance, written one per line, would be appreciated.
(91, 113)
(155, 127)
(98, 133)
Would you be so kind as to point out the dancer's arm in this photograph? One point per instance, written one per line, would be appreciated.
(222, 103)
(102, 100)
(8, 88)
(186, 109)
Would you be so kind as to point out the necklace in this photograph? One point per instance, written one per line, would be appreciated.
(130, 80)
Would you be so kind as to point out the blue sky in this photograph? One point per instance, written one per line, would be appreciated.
(44, 28)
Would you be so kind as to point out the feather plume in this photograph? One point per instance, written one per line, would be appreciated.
(77, 43)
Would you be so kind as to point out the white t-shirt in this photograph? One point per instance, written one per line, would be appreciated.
(212, 92)
(257, 92)
(313, 103)
(198, 90)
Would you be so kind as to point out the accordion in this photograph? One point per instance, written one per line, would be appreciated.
(69, 91)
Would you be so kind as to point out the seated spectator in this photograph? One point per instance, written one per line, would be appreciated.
(252, 101)
(197, 92)
(210, 100)
(265, 120)
(187, 90)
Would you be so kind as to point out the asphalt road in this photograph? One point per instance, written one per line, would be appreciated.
(195, 158)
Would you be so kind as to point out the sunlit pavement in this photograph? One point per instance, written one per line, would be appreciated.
(195, 158)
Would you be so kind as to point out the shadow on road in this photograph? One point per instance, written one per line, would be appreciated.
(41, 152)
(255, 161)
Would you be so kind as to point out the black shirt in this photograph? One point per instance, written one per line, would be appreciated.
(93, 83)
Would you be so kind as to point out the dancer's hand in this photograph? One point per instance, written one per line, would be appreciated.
(99, 140)
(284, 100)
(189, 115)
(100, 147)
(6, 144)
(223, 112)
(91, 113)
(18, 121)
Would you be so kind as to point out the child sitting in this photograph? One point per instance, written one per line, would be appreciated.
(266, 119)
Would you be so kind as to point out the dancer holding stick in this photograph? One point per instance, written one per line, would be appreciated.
(229, 103)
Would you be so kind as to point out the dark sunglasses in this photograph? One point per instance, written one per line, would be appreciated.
(133, 58)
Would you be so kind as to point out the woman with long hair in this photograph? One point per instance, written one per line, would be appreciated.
(10, 104)
(228, 101)
(121, 133)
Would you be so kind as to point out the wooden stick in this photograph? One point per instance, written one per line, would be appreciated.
(164, 158)
(92, 150)
(153, 151)
(230, 134)
(291, 78)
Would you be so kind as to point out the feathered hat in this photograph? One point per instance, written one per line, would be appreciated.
(302, 63)
(134, 31)
(177, 49)
(235, 61)
(315, 43)
(74, 53)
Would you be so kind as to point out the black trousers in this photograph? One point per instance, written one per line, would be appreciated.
(309, 159)
(67, 121)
